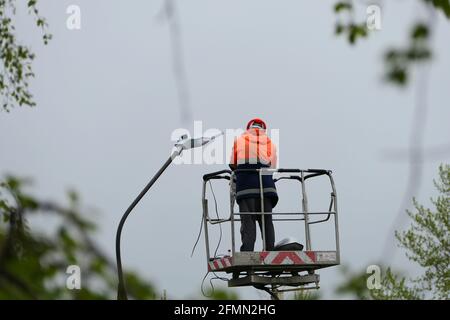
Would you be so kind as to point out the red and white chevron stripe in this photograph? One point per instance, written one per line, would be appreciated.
(218, 264)
(288, 257)
(273, 258)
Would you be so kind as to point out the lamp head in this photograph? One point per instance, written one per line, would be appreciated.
(184, 143)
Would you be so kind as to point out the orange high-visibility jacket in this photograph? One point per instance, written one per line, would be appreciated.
(254, 147)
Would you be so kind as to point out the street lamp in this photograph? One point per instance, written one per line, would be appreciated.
(182, 144)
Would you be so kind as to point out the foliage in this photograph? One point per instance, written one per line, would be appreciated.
(16, 59)
(395, 287)
(398, 61)
(426, 242)
(306, 295)
(223, 294)
(33, 264)
(352, 30)
(355, 284)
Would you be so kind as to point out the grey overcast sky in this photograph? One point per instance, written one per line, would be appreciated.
(107, 105)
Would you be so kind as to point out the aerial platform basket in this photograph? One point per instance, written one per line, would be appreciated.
(275, 269)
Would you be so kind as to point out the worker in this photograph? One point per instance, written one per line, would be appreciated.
(254, 150)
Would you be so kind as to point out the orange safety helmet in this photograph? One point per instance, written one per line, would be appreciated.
(256, 120)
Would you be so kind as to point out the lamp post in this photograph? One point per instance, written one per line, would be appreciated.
(182, 144)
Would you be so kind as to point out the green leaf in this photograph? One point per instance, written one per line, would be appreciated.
(420, 31)
(341, 6)
(339, 28)
(398, 76)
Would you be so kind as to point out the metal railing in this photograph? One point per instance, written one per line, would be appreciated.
(293, 174)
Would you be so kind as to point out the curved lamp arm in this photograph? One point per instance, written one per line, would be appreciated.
(121, 290)
(182, 144)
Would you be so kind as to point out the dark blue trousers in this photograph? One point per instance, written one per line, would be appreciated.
(248, 223)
